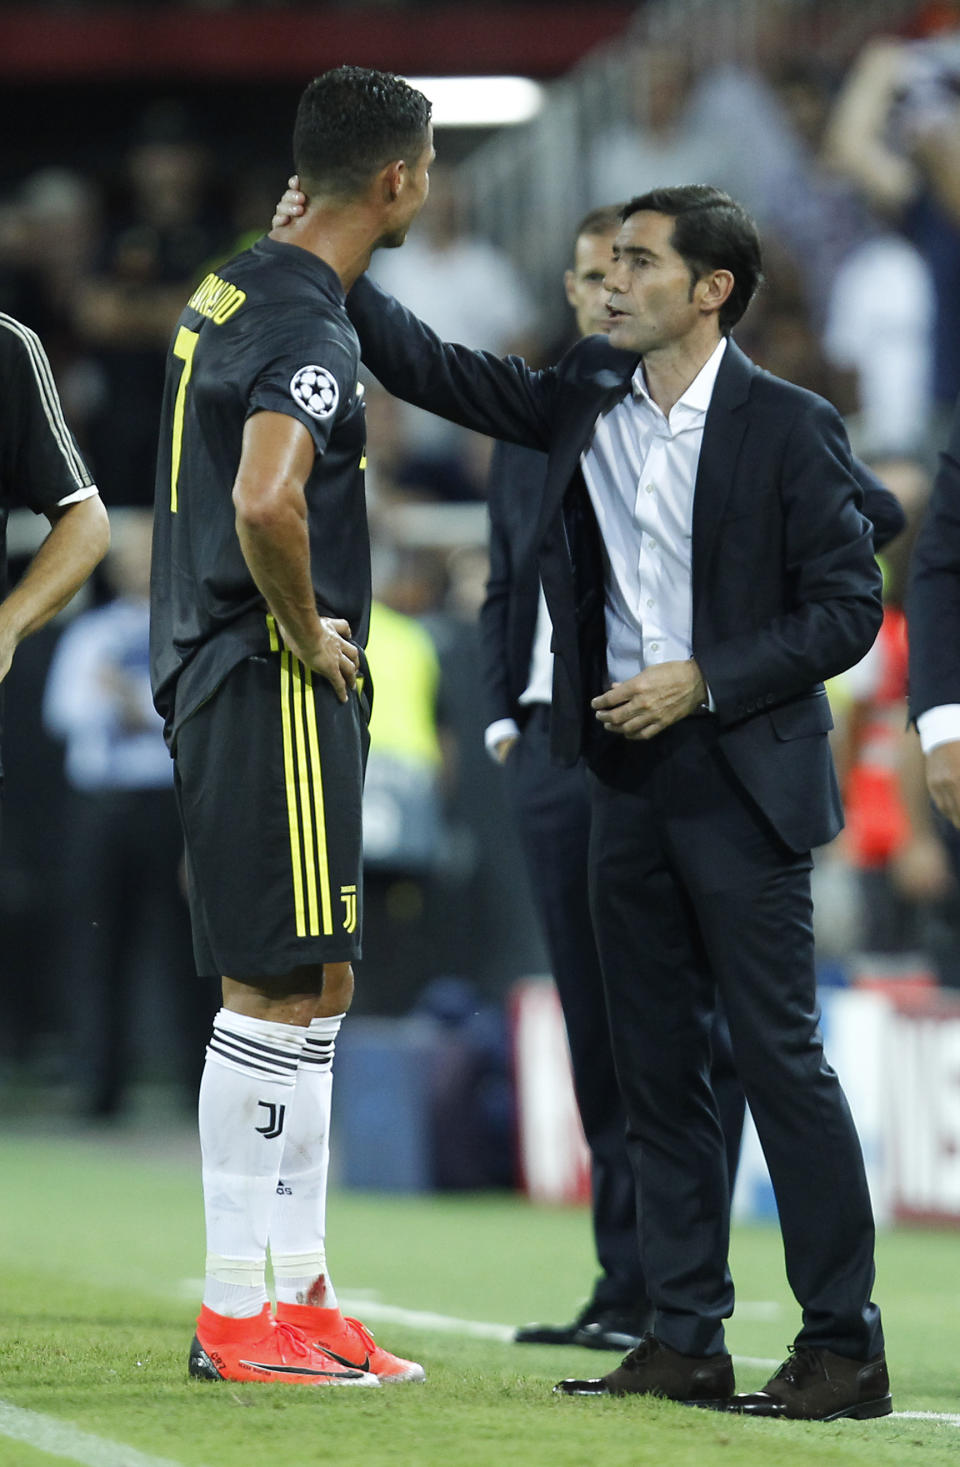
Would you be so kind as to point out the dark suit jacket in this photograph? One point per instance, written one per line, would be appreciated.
(933, 601)
(786, 591)
(508, 617)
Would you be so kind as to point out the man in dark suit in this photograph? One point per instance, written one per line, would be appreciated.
(933, 616)
(706, 567)
(552, 805)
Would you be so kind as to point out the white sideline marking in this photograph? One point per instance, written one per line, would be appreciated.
(477, 1329)
(60, 1439)
(948, 1416)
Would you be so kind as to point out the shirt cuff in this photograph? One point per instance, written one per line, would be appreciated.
(939, 726)
(503, 728)
(78, 495)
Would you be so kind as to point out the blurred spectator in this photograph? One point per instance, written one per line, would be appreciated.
(489, 931)
(870, 729)
(468, 290)
(905, 895)
(166, 229)
(867, 290)
(400, 468)
(895, 133)
(403, 820)
(123, 848)
(925, 868)
(464, 287)
(472, 1108)
(686, 126)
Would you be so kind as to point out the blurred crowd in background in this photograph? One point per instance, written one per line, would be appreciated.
(847, 150)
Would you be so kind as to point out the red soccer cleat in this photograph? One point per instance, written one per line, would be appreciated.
(265, 1349)
(349, 1342)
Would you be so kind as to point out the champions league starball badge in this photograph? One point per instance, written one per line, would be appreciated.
(316, 391)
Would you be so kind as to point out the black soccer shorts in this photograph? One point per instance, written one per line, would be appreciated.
(269, 779)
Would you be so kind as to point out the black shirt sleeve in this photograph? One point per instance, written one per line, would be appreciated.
(311, 375)
(40, 463)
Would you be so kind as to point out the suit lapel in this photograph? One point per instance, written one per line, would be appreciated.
(580, 411)
(723, 433)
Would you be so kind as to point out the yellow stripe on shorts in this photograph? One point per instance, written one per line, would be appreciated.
(296, 859)
(303, 790)
(303, 780)
(323, 870)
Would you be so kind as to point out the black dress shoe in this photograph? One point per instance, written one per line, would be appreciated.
(595, 1328)
(654, 1369)
(816, 1385)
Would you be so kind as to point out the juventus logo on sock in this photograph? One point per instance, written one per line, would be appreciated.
(275, 1115)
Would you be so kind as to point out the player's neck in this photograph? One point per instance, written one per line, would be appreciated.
(344, 242)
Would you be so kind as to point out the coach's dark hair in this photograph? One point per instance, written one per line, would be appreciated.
(351, 122)
(711, 231)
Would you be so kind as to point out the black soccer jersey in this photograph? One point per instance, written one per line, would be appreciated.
(40, 464)
(268, 332)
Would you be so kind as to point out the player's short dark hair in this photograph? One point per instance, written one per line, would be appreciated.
(711, 232)
(351, 122)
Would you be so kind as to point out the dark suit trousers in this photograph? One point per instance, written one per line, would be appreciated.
(694, 895)
(552, 804)
(553, 819)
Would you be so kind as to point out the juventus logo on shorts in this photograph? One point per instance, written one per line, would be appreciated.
(275, 1115)
(348, 895)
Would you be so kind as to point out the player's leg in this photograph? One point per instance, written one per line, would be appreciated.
(246, 1093)
(306, 1297)
(254, 911)
(327, 764)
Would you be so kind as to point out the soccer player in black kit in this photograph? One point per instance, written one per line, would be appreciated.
(260, 603)
(41, 469)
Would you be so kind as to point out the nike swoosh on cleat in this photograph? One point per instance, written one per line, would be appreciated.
(342, 1359)
(351, 1374)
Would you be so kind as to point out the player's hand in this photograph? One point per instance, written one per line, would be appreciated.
(331, 655)
(645, 705)
(292, 205)
(943, 779)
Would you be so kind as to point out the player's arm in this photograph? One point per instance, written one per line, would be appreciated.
(502, 398)
(271, 518)
(79, 538)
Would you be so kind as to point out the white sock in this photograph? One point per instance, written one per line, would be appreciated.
(298, 1224)
(245, 1098)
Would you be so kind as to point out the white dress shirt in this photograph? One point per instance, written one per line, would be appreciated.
(539, 687)
(939, 725)
(640, 469)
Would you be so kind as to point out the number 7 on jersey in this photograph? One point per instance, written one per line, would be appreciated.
(183, 347)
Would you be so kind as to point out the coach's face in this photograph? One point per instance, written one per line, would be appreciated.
(412, 195)
(651, 301)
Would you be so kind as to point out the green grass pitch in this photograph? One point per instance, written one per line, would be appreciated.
(99, 1241)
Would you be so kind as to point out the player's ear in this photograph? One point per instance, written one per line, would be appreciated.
(393, 178)
(569, 285)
